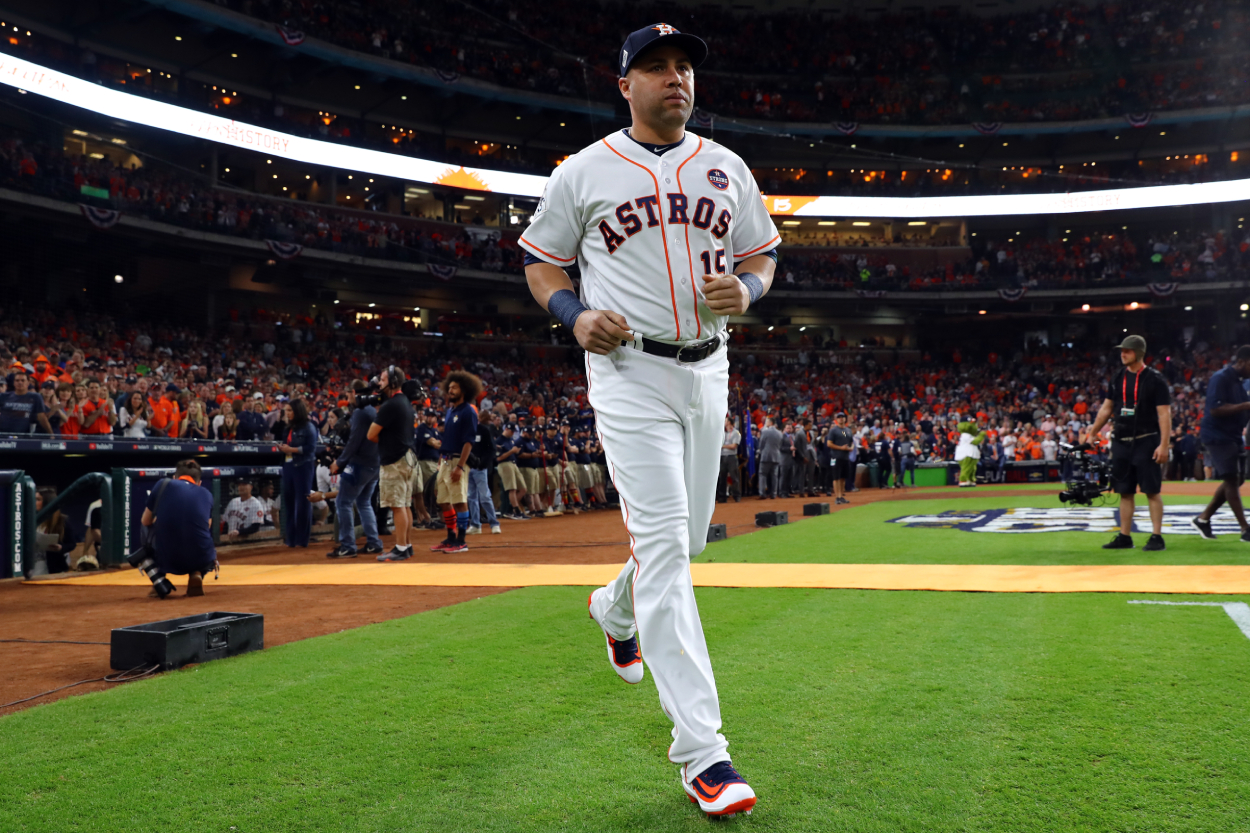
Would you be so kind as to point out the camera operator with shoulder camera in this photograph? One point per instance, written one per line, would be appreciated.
(359, 465)
(1138, 402)
(178, 538)
(1223, 423)
(392, 431)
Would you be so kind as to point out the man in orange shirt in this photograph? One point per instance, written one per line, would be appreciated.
(165, 415)
(99, 412)
(43, 371)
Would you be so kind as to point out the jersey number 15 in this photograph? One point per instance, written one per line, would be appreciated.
(706, 257)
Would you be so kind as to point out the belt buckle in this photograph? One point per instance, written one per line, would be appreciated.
(696, 347)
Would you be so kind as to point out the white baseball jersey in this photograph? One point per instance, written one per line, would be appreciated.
(240, 513)
(645, 228)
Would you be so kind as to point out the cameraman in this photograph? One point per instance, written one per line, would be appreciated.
(359, 464)
(1140, 403)
(179, 520)
(1223, 421)
(392, 431)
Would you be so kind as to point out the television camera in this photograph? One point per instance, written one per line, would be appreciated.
(1090, 477)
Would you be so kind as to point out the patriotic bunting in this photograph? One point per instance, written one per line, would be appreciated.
(988, 128)
(702, 119)
(847, 128)
(447, 76)
(870, 293)
(1162, 290)
(442, 271)
(291, 37)
(100, 217)
(1139, 119)
(1013, 295)
(286, 251)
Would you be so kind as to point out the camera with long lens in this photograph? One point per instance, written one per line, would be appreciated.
(1091, 477)
(144, 560)
(370, 395)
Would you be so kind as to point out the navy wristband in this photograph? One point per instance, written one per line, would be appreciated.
(566, 306)
(755, 286)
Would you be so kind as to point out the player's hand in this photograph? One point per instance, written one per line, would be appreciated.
(455, 475)
(725, 294)
(1161, 454)
(601, 331)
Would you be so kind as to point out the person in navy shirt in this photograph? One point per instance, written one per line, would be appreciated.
(179, 516)
(299, 444)
(1223, 423)
(460, 391)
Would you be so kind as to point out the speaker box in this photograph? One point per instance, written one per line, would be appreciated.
(174, 643)
(771, 518)
(717, 532)
(810, 509)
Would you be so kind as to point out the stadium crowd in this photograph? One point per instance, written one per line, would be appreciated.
(1082, 260)
(98, 375)
(1065, 61)
(1079, 260)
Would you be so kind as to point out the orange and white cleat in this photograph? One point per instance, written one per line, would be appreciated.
(624, 654)
(720, 791)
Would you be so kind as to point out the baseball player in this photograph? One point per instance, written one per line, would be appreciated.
(671, 237)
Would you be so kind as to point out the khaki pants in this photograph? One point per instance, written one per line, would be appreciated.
(510, 476)
(395, 483)
(450, 491)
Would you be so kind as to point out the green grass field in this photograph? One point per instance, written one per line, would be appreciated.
(862, 535)
(847, 710)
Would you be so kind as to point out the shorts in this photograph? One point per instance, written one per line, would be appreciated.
(422, 472)
(533, 480)
(509, 476)
(841, 469)
(1224, 459)
(584, 478)
(552, 483)
(570, 475)
(450, 491)
(395, 483)
(1133, 466)
(599, 473)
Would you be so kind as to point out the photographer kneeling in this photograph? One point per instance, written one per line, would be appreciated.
(178, 537)
(1140, 402)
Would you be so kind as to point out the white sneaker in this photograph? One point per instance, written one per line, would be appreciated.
(495, 530)
(473, 530)
(624, 656)
(552, 513)
(720, 791)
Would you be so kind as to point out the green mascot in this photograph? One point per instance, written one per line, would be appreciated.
(968, 452)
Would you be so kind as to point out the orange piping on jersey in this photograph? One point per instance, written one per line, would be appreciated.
(548, 254)
(756, 249)
(663, 232)
(694, 292)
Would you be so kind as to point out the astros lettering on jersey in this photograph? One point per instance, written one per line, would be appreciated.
(645, 228)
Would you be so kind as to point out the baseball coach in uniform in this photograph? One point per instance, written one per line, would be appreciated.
(671, 237)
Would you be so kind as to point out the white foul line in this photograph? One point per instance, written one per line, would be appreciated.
(1239, 612)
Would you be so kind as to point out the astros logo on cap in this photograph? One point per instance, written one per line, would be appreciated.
(665, 29)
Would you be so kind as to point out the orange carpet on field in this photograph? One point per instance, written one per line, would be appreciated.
(965, 577)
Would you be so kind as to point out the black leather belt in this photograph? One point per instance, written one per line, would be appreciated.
(694, 352)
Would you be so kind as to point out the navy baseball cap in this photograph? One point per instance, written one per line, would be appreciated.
(641, 40)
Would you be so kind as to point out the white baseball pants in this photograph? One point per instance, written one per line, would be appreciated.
(662, 424)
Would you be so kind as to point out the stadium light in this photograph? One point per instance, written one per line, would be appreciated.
(1245, 307)
(118, 279)
(1084, 307)
(24, 76)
